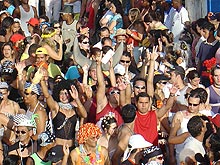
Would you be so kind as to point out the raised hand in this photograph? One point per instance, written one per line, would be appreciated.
(85, 68)
(154, 54)
(20, 66)
(73, 92)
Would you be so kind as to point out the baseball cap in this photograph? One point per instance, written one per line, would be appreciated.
(3, 85)
(215, 16)
(33, 22)
(215, 119)
(160, 77)
(150, 153)
(178, 69)
(136, 141)
(41, 50)
(55, 154)
(67, 9)
(45, 138)
(16, 37)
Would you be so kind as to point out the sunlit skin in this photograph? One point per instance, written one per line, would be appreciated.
(112, 129)
(143, 105)
(104, 33)
(7, 51)
(64, 96)
(114, 98)
(195, 82)
(92, 74)
(193, 108)
(139, 87)
(41, 58)
(16, 27)
(216, 77)
(125, 59)
(5, 93)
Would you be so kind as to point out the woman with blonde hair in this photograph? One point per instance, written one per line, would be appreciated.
(52, 44)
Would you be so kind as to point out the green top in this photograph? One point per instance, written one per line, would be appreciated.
(39, 161)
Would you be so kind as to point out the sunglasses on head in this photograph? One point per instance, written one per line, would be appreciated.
(22, 132)
(194, 105)
(123, 61)
(114, 92)
(140, 87)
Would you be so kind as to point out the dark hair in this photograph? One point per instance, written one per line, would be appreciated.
(118, 6)
(128, 113)
(107, 121)
(82, 37)
(203, 94)
(142, 94)
(195, 94)
(54, 22)
(105, 49)
(151, 16)
(62, 85)
(9, 44)
(104, 29)
(11, 160)
(33, 48)
(193, 74)
(44, 17)
(139, 79)
(195, 126)
(126, 53)
(94, 51)
(105, 39)
(213, 69)
(209, 26)
(215, 145)
(6, 23)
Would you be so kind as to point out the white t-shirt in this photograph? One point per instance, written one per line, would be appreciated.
(178, 20)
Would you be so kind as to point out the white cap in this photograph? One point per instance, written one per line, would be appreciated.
(119, 69)
(135, 141)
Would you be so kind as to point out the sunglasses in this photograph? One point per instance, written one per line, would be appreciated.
(114, 92)
(160, 157)
(162, 82)
(85, 42)
(123, 61)
(140, 87)
(22, 132)
(58, 27)
(26, 93)
(194, 105)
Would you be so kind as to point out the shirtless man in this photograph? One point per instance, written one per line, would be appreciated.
(128, 113)
(9, 108)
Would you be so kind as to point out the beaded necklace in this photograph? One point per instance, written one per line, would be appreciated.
(88, 158)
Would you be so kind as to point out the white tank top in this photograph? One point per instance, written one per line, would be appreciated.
(25, 16)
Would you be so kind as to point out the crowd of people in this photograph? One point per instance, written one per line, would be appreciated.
(108, 82)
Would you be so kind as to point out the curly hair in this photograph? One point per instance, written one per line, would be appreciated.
(62, 85)
(88, 130)
(107, 121)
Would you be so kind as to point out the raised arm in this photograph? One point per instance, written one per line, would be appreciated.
(52, 104)
(150, 78)
(75, 95)
(100, 95)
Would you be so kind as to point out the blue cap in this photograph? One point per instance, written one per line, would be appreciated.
(72, 73)
(169, 1)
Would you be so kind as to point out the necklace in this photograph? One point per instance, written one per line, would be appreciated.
(90, 159)
(66, 106)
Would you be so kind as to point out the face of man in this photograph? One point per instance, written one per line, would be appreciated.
(193, 105)
(41, 58)
(92, 74)
(143, 104)
(104, 33)
(205, 33)
(216, 77)
(139, 87)
(120, 39)
(125, 61)
(113, 96)
(4, 93)
(23, 133)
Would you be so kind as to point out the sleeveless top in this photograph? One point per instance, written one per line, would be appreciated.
(181, 97)
(183, 128)
(96, 158)
(214, 98)
(37, 160)
(91, 13)
(146, 125)
(64, 127)
(25, 16)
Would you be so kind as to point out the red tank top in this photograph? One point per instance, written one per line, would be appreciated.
(146, 125)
